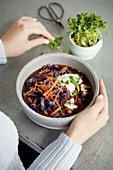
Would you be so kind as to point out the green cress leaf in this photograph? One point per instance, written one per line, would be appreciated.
(71, 77)
(67, 82)
(78, 87)
(43, 53)
(75, 82)
(85, 28)
(74, 92)
(69, 103)
(56, 43)
(86, 87)
(64, 49)
(77, 79)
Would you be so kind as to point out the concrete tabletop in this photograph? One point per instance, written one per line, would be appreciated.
(97, 153)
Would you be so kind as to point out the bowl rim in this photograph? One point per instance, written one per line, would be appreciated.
(19, 95)
(86, 48)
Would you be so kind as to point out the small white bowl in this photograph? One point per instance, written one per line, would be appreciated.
(54, 58)
(85, 53)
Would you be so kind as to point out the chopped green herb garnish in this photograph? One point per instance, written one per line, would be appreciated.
(74, 92)
(43, 53)
(62, 81)
(85, 28)
(56, 43)
(71, 77)
(73, 81)
(78, 87)
(86, 87)
(63, 49)
(67, 82)
(58, 48)
(69, 103)
(77, 79)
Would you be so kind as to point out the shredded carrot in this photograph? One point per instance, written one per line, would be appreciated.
(76, 96)
(28, 92)
(41, 85)
(30, 100)
(49, 77)
(36, 82)
(35, 101)
(49, 96)
(56, 65)
(69, 111)
(50, 88)
(51, 93)
(64, 68)
(55, 111)
(46, 112)
(58, 91)
(40, 90)
(57, 104)
(38, 104)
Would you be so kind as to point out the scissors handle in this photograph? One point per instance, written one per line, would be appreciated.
(39, 13)
(62, 10)
(51, 12)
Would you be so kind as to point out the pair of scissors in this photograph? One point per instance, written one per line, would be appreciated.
(52, 13)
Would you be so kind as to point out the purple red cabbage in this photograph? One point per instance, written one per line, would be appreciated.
(39, 96)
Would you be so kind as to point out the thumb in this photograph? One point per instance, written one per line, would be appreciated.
(38, 41)
(98, 105)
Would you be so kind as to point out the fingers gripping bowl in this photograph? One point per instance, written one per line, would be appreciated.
(54, 59)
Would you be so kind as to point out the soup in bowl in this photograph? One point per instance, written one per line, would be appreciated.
(54, 88)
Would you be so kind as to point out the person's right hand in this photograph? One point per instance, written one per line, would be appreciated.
(91, 120)
(16, 40)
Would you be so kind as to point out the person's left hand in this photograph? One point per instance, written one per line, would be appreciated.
(16, 40)
(90, 120)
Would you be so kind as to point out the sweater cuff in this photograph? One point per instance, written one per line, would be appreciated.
(8, 141)
(3, 59)
(60, 154)
(16, 163)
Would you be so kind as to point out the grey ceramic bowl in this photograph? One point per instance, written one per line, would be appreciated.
(85, 53)
(54, 58)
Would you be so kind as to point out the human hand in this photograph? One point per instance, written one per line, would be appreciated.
(16, 40)
(91, 120)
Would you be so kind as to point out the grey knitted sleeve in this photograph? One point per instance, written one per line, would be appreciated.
(3, 59)
(59, 155)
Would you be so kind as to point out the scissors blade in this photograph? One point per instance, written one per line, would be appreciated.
(59, 23)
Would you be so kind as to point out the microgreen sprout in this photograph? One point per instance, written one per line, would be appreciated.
(64, 49)
(85, 28)
(86, 87)
(67, 82)
(69, 103)
(62, 81)
(56, 43)
(74, 92)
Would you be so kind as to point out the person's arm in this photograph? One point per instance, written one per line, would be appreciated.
(9, 158)
(91, 120)
(59, 155)
(3, 59)
(63, 152)
(16, 41)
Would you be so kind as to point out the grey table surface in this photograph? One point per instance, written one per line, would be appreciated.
(97, 153)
